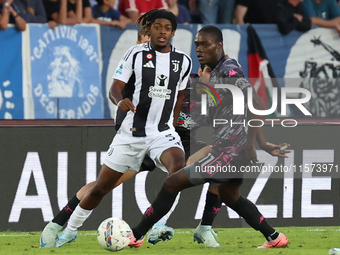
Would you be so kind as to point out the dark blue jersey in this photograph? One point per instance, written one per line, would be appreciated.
(229, 138)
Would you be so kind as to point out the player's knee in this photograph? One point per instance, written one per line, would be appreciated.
(100, 191)
(176, 165)
(229, 201)
(229, 198)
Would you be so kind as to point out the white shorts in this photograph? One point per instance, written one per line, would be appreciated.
(127, 152)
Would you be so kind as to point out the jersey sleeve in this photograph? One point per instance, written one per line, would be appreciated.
(186, 71)
(124, 70)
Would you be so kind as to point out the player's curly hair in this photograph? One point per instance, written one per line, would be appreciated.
(148, 18)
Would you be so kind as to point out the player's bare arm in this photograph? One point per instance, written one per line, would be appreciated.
(257, 132)
(178, 106)
(249, 149)
(116, 97)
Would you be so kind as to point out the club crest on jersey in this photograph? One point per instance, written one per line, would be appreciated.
(175, 65)
(149, 56)
(161, 80)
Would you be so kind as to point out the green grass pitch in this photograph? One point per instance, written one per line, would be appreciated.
(302, 240)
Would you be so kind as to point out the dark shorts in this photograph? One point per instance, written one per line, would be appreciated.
(190, 147)
(217, 168)
(190, 144)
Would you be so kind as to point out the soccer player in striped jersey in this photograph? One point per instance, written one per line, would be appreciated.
(184, 126)
(148, 89)
(233, 145)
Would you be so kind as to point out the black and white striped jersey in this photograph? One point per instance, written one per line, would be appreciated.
(153, 80)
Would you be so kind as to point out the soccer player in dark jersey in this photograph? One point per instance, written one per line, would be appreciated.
(148, 89)
(232, 146)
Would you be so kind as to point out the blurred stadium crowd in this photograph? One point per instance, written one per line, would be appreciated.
(287, 14)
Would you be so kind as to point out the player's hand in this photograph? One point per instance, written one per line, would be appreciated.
(250, 153)
(126, 105)
(275, 150)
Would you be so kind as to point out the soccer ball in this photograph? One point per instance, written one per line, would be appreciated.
(114, 234)
(334, 251)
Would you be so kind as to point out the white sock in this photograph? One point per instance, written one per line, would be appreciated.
(77, 219)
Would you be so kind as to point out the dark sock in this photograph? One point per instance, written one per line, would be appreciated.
(249, 212)
(155, 212)
(212, 206)
(63, 216)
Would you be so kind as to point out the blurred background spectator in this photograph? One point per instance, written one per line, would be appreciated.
(64, 12)
(290, 15)
(57, 11)
(180, 11)
(84, 13)
(255, 11)
(133, 9)
(32, 11)
(323, 13)
(214, 11)
(141, 37)
(194, 13)
(10, 13)
(105, 14)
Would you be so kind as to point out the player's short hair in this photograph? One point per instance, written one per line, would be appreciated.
(215, 32)
(149, 18)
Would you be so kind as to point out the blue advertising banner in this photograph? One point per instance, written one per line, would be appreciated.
(11, 100)
(65, 72)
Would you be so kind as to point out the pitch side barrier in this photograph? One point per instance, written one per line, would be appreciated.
(44, 163)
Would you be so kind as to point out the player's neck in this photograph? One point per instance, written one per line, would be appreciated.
(161, 48)
(214, 64)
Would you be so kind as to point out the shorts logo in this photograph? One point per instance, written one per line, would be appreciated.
(110, 151)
